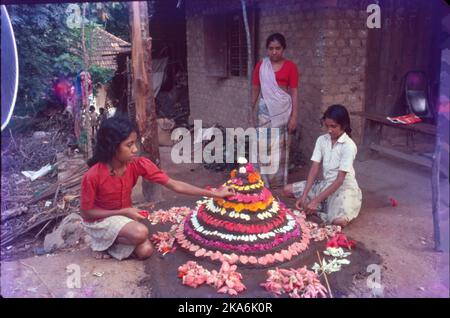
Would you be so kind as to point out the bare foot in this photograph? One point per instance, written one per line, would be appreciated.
(340, 221)
(100, 255)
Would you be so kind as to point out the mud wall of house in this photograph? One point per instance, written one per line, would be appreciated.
(212, 99)
(327, 40)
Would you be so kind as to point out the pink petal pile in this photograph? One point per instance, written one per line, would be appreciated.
(163, 242)
(298, 283)
(173, 215)
(226, 281)
(322, 233)
(192, 274)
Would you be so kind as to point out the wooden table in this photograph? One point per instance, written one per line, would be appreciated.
(373, 125)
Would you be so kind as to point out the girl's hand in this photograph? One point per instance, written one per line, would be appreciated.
(300, 204)
(224, 192)
(312, 206)
(134, 214)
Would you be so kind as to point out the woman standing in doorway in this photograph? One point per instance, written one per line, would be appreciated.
(275, 82)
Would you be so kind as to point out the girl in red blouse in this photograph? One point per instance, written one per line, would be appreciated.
(275, 83)
(106, 208)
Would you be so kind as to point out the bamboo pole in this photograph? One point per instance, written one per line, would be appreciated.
(435, 188)
(250, 119)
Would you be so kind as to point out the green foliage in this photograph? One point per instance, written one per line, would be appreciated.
(48, 48)
(100, 75)
(43, 40)
(118, 21)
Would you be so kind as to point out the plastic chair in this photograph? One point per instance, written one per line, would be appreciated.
(417, 94)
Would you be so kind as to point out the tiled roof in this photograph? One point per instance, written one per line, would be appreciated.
(105, 47)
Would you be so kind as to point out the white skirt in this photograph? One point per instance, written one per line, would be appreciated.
(344, 203)
(104, 234)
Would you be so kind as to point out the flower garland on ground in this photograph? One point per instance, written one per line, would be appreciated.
(174, 215)
(226, 281)
(164, 241)
(298, 283)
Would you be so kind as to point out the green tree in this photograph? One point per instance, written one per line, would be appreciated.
(43, 41)
(48, 48)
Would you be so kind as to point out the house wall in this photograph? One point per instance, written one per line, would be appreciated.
(212, 99)
(100, 97)
(327, 40)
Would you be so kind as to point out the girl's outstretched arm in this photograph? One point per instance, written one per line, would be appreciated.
(186, 188)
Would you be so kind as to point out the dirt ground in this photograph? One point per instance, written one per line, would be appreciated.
(400, 239)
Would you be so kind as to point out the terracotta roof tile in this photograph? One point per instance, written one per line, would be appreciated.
(105, 47)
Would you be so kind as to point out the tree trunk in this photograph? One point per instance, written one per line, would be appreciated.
(86, 123)
(142, 88)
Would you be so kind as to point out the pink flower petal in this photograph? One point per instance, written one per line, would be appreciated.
(233, 258)
(200, 252)
(270, 258)
(287, 254)
(279, 257)
(243, 259)
(262, 260)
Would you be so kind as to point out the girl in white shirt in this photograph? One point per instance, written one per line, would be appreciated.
(336, 198)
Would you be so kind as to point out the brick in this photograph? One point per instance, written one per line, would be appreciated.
(340, 43)
(355, 43)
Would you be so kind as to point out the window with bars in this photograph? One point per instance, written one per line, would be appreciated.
(237, 46)
(226, 44)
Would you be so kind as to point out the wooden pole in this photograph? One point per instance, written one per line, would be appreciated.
(142, 88)
(435, 190)
(250, 117)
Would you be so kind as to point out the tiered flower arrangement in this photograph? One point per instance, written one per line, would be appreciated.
(251, 227)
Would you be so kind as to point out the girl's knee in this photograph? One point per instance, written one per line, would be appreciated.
(145, 250)
(142, 232)
(288, 191)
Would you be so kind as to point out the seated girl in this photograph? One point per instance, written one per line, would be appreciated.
(106, 209)
(336, 198)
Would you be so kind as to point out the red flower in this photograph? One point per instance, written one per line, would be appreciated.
(394, 202)
(340, 240)
(249, 168)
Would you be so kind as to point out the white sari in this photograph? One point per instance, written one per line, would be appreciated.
(279, 103)
(274, 110)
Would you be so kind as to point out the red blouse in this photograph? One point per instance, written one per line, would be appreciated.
(286, 76)
(101, 190)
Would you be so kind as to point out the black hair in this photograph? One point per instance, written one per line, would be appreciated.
(111, 133)
(340, 115)
(101, 110)
(91, 107)
(276, 37)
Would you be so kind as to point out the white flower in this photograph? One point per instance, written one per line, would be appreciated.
(336, 252)
(242, 170)
(242, 160)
